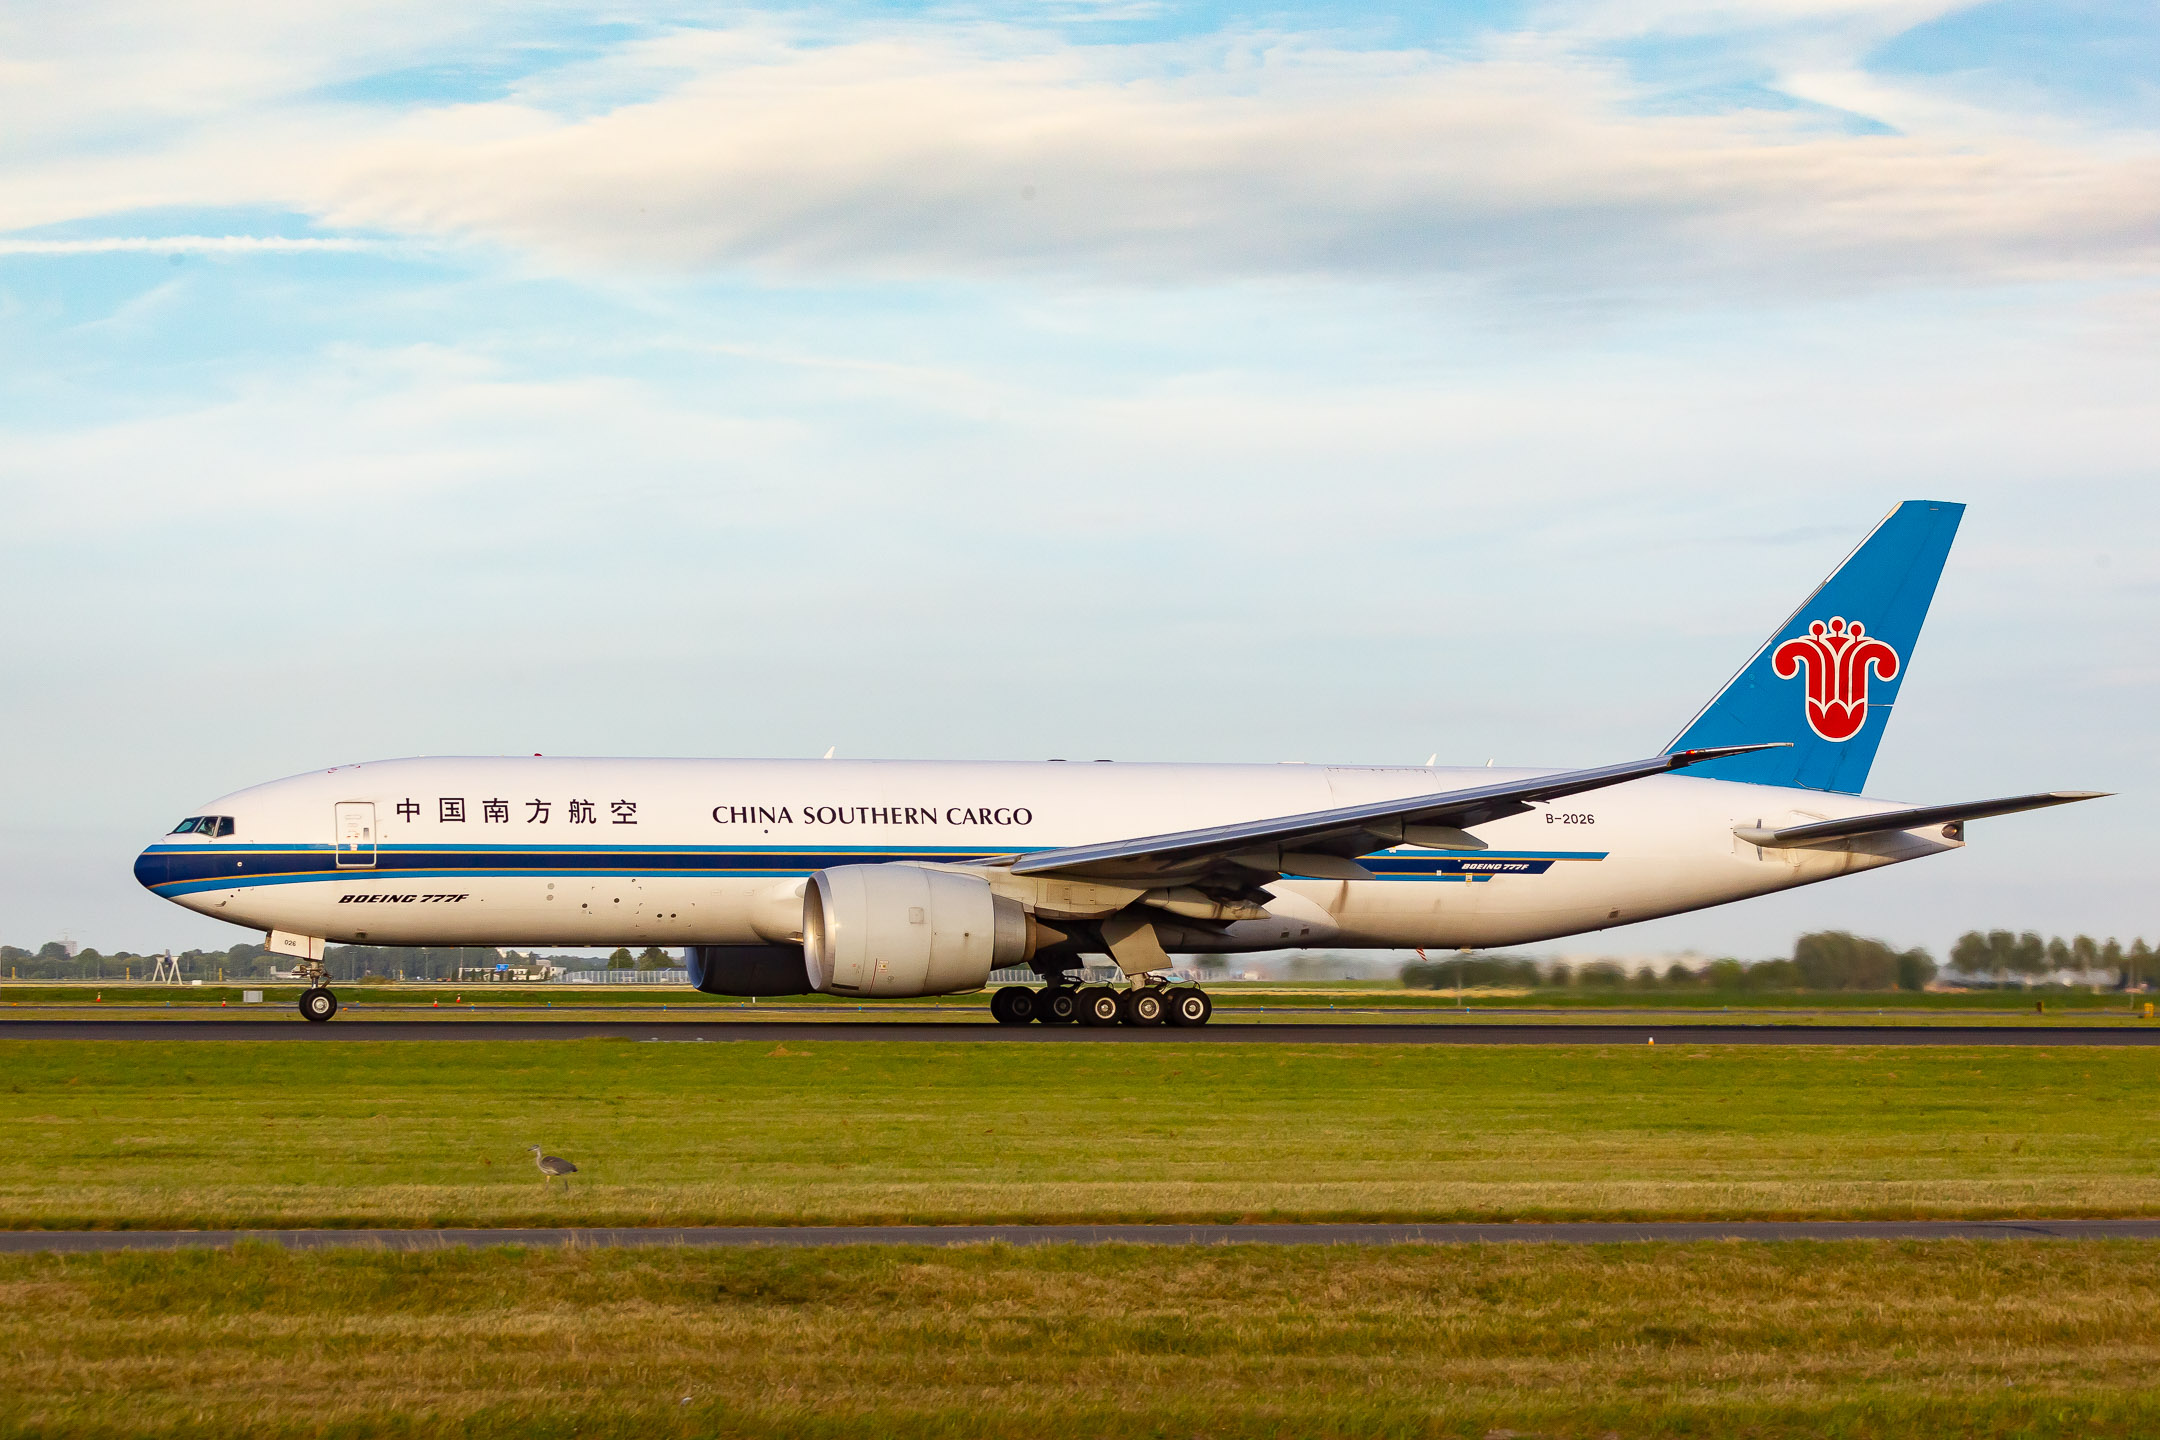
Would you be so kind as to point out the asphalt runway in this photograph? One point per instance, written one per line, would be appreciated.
(1431, 1032)
(1567, 1233)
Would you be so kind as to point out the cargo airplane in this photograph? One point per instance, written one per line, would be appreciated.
(882, 879)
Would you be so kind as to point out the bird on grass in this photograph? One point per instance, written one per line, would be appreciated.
(552, 1167)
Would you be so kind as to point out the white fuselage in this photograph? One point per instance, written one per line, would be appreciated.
(597, 852)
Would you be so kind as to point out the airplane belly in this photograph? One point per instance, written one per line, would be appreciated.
(499, 911)
(1562, 899)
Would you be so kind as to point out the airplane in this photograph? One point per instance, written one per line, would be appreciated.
(875, 880)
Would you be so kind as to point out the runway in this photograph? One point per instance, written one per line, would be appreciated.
(1566, 1233)
(1431, 1032)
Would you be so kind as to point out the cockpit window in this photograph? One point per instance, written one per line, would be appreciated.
(223, 823)
(187, 826)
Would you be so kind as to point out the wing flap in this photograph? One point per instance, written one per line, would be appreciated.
(1825, 831)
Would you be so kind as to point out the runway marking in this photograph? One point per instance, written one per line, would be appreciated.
(1588, 1232)
(1315, 1033)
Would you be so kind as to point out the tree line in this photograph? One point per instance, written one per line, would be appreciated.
(1999, 955)
(346, 963)
(51, 961)
(1821, 960)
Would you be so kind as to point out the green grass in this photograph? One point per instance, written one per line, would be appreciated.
(1998, 1339)
(151, 1133)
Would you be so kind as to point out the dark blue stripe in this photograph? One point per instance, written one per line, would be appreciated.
(180, 870)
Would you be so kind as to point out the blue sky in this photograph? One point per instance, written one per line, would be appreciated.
(1136, 380)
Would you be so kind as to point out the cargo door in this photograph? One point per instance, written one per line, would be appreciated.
(356, 834)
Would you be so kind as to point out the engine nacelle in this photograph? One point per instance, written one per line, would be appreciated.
(892, 930)
(747, 969)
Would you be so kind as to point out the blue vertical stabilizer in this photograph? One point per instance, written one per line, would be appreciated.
(1826, 680)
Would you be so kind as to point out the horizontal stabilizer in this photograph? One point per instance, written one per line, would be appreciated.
(1828, 830)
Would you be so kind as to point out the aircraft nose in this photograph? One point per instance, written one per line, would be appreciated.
(150, 869)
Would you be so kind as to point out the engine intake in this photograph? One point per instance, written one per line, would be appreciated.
(894, 930)
(747, 969)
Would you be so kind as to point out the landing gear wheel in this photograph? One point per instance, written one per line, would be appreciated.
(317, 1004)
(1189, 1006)
(1099, 1005)
(1143, 1006)
(1057, 1005)
(1013, 1005)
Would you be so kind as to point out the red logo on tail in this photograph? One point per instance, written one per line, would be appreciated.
(1837, 658)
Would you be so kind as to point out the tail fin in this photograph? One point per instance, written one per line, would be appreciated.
(1825, 681)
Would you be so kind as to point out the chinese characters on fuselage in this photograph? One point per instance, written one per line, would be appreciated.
(450, 810)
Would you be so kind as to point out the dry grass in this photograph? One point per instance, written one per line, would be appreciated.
(149, 1134)
(1857, 1338)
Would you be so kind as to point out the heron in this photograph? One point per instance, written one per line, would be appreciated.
(552, 1166)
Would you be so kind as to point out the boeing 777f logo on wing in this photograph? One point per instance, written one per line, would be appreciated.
(1837, 658)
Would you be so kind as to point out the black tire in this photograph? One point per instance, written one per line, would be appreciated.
(1099, 1005)
(1145, 1006)
(1057, 1005)
(1013, 1005)
(317, 1004)
(1188, 1006)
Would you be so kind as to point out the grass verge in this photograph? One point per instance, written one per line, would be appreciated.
(1879, 1339)
(150, 1134)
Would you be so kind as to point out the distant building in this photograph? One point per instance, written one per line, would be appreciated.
(508, 974)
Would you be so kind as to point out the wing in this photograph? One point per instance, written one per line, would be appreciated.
(1325, 843)
(1826, 831)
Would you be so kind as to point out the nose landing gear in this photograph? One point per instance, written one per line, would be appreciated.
(316, 1002)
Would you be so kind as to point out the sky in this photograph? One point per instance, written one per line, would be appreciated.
(1123, 379)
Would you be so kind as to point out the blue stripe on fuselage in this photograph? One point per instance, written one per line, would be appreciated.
(189, 869)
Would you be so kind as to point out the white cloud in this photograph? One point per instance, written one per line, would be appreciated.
(970, 152)
(915, 158)
(188, 245)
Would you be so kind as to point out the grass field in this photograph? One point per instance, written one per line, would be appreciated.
(153, 1134)
(1993, 1339)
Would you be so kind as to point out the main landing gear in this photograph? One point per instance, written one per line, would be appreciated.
(1101, 1005)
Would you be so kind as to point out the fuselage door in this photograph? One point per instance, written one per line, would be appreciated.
(356, 834)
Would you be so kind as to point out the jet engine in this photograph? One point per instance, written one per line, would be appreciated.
(747, 969)
(891, 930)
